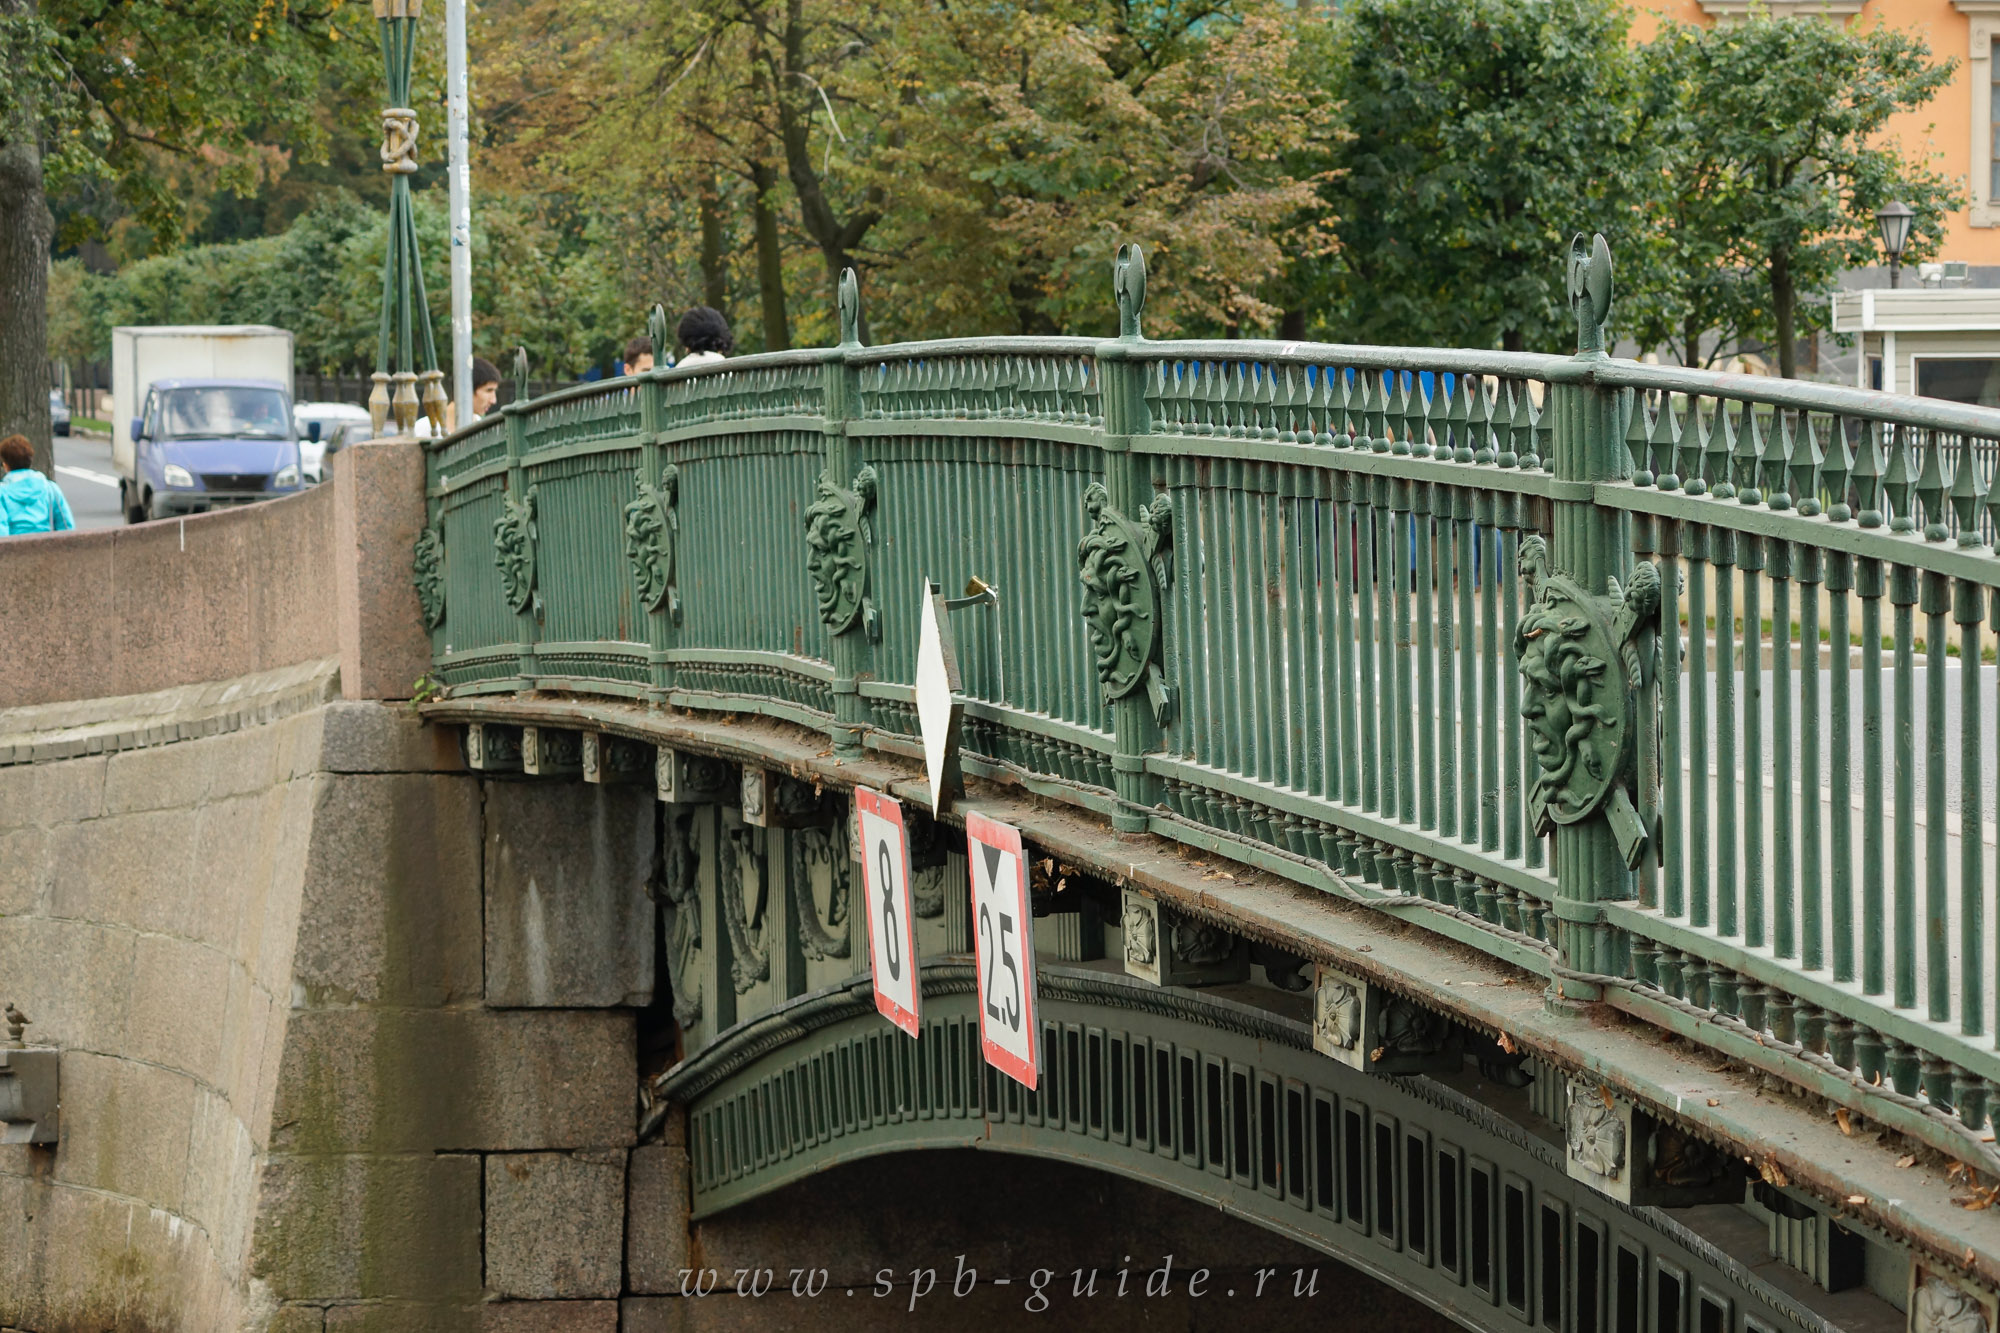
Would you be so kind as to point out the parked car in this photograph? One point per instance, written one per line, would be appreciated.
(201, 444)
(58, 413)
(338, 425)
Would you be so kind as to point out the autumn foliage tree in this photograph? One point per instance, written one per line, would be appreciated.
(979, 166)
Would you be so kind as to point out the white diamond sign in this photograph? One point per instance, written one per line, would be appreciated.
(938, 709)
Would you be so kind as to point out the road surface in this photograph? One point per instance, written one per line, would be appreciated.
(84, 472)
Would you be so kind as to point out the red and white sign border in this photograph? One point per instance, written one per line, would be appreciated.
(890, 810)
(1007, 840)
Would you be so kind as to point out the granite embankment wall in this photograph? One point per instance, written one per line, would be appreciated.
(347, 1035)
(322, 574)
(296, 1093)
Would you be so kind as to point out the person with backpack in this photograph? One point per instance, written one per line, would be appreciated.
(29, 501)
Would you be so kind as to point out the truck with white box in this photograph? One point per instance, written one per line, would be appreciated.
(202, 417)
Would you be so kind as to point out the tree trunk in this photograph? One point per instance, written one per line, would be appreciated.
(25, 230)
(770, 262)
(1784, 310)
(1691, 340)
(714, 275)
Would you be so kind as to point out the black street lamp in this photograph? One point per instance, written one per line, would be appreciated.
(1894, 220)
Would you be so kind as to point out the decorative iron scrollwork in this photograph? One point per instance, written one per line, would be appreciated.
(652, 533)
(679, 865)
(514, 536)
(1125, 575)
(1582, 658)
(749, 945)
(427, 570)
(929, 859)
(1282, 968)
(927, 886)
(1406, 1028)
(1681, 1161)
(1199, 944)
(811, 848)
(839, 529)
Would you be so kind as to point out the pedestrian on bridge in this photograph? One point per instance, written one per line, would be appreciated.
(706, 336)
(29, 501)
(639, 355)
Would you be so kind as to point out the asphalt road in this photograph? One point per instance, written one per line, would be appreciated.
(85, 475)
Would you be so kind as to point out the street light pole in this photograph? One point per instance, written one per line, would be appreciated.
(459, 175)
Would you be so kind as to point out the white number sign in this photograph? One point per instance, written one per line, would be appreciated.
(892, 927)
(1003, 935)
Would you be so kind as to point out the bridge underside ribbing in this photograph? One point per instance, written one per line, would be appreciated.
(1224, 1102)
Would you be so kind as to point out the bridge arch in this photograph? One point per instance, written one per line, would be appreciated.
(1222, 1100)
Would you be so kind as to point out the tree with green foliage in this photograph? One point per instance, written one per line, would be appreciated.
(322, 279)
(90, 91)
(1769, 161)
(1484, 134)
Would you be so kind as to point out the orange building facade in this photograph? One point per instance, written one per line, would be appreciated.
(1956, 130)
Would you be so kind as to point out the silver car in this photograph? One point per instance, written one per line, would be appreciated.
(58, 413)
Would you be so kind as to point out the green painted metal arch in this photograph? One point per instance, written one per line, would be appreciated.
(1217, 1100)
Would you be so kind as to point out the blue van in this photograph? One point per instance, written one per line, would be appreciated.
(201, 444)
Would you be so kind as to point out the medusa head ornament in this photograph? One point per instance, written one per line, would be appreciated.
(1582, 658)
(1125, 572)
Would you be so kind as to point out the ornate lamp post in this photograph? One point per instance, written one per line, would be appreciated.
(404, 308)
(1894, 220)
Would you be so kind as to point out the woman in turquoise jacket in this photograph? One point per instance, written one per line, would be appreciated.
(29, 501)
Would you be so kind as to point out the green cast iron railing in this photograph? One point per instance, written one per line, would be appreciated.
(1273, 600)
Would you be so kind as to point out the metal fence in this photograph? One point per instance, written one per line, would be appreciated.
(1580, 661)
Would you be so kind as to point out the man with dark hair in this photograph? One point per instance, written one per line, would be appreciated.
(485, 386)
(705, 334)
(639, 355)
(29, 501)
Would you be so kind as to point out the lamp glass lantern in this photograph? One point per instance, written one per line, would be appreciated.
(1895, 219)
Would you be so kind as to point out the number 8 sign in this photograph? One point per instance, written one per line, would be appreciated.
(1003, 935)
(892, 928)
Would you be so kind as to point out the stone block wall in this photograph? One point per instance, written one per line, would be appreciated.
(349, 1036)
(149, 904)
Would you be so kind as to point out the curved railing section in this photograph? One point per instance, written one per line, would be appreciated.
(1579, 661)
